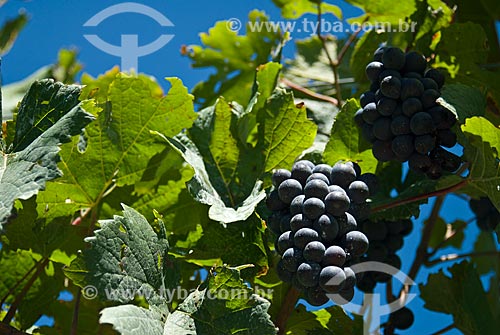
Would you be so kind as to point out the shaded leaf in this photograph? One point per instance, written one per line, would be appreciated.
(461, 295)
(223, 306)
(133, 320)
(126, 258)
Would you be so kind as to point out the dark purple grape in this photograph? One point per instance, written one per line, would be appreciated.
(316, 188)
(402, 318)
(386, 106)
(390, 87)
(288, 190)
(324, 169)
(393, 58)
(291, 259)
(316, 296)
(366, 98)
(303, 236)
(313, 208)
(301, 171)
(355, 243)
(358, 192)
(274, 203)
(279, 176)
(415, 62)
(429, 98)
(402, 146)
(382, 150)
(371, 180)
(370, 113)
(332, 279)
(308, 274)
(334, 255)
(328, 226)
(419, 162)
(337, 203)
(424, 143)
(411, 87)
(285, 241)
(299, 221)
(412, 106)
(421, 123)
(283, 274)
(435, 75)
(342, 174)
(314, 251)
(373, 70)
(446, 138)
(382, 129)
(296, 204)
(400, 125)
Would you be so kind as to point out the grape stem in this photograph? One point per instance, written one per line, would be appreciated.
(452, 257)
(437, 193)
(286, 309)
(308, 92)
(76, 313)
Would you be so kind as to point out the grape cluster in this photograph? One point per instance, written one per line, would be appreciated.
(400, 115)
(386, 238)
(317, 234)
(487, 216)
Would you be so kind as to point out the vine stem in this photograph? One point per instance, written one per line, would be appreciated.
(9, 330)
(444, 330)
(286, 309)
(452, 257)
(308, 92)
(76, 312)
(437, 193)
(13, 308)
(13, 288)
(422, 253)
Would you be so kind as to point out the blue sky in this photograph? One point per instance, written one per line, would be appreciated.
(59, 24)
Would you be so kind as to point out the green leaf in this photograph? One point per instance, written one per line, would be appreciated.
(133, 320)
(346, 142)
(293, 9)
(485, 263)
(203, 191)
(119, 145)
(217, 246)
(126, 257)
(467, 101)
(56, 239)
(284, 131)
(481, 148)
(42, 106)
(383, 11)
(462, 50)
(10, 30)
(24, 173)
(232, 54)
(461, 295)
(327, 321)
(225, 305)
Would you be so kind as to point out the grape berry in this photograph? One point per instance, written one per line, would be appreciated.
(400, 115)
(315, 212)
(487, 216)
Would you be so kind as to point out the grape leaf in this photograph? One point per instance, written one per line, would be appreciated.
(284, 130)
(44, 104)
(467, 101)
(24, 173)
(203, 191)
(462, 50)
(383, 11)
(126, 257)
(346, 142)
(119, 145)
(133, 320)
(462, 295)
(481, 149)
(327, 321)
(10, 30)
(31, 231)
(224, 305)
(235, 59)
(293, 9)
